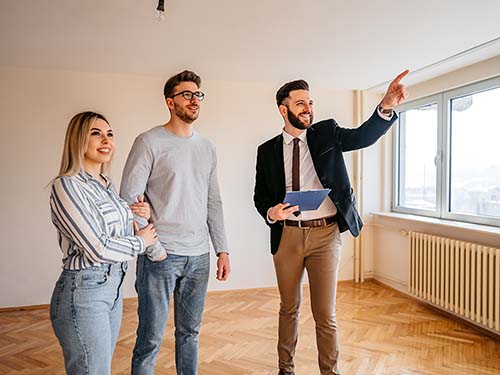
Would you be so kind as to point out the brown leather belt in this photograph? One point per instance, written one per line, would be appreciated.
(315, 223)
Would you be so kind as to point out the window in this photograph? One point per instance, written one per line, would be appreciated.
(447, 155)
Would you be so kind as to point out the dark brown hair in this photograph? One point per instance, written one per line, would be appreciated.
(185, 76)
(285, 90)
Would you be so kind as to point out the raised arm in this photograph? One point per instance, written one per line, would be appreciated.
(396, 92)
(376, 126)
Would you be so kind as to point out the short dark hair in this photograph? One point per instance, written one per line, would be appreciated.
(285, 90)
(185, 76)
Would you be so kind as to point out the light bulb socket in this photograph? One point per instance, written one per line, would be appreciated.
(161, 6)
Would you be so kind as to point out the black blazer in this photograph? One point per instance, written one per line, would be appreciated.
(326, 141)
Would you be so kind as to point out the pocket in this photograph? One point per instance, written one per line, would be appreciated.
(282, 242)
(126, 207)
(168, 262)
(108, 212)
(338, 237)
(91, 280)
(56, 300)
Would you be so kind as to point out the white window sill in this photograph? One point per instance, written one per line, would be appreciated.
(484, 234)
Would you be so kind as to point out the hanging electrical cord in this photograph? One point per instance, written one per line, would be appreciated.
(160, 10)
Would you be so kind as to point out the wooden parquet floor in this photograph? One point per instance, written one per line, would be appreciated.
(382, 332)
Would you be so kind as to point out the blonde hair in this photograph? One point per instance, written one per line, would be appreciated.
(76, 142)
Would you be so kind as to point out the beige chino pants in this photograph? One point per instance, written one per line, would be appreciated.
(316, 250)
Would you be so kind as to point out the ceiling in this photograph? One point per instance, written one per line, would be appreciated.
(334, 44)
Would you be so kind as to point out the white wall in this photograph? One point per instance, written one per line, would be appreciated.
(36, 106)
(372, 186)
(385, 244)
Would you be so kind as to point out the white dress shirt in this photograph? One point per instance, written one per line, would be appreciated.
(308, 178)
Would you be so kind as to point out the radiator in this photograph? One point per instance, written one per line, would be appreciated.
(458, 276)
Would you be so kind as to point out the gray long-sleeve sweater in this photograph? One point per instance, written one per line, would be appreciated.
(178, 177)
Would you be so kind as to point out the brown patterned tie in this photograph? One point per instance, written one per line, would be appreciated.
(296, 168)
(296, 165)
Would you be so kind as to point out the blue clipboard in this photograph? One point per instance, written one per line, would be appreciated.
(307, 200)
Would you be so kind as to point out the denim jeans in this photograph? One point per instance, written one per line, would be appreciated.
(86, 312)
(186, 278)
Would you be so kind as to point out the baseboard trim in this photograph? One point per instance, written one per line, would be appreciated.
(211, 292)
(448, 314)
(23, 308)
(394, 283)
(44, 306)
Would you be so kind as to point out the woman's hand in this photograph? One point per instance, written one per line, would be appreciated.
(148, 234)
(141, 208)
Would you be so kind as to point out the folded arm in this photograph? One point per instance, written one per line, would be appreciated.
(73, 216)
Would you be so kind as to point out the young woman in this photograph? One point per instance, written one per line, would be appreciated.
(96, 235)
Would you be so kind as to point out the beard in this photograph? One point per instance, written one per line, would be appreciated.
(185, 114)
(297, 122)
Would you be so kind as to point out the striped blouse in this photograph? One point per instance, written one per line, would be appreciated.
(94, 224)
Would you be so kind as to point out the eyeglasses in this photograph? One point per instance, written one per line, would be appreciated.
(188, 95)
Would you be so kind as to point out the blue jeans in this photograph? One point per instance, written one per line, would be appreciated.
(86, 312)
(186, 278)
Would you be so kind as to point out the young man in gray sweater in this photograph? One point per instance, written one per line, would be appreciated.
(174, 167)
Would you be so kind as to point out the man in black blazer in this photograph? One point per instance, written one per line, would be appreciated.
(309, 156)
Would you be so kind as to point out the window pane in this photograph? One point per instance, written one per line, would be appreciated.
(475, 154)
(418, 148)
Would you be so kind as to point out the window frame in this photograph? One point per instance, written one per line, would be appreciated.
(442, 158)
(398, 159)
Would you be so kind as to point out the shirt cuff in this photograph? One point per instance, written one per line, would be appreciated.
(155, 252)
(386, 118)
(268, 219)
(142, 245)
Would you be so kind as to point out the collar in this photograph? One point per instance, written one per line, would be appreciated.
(85, 176)
(288, 138)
